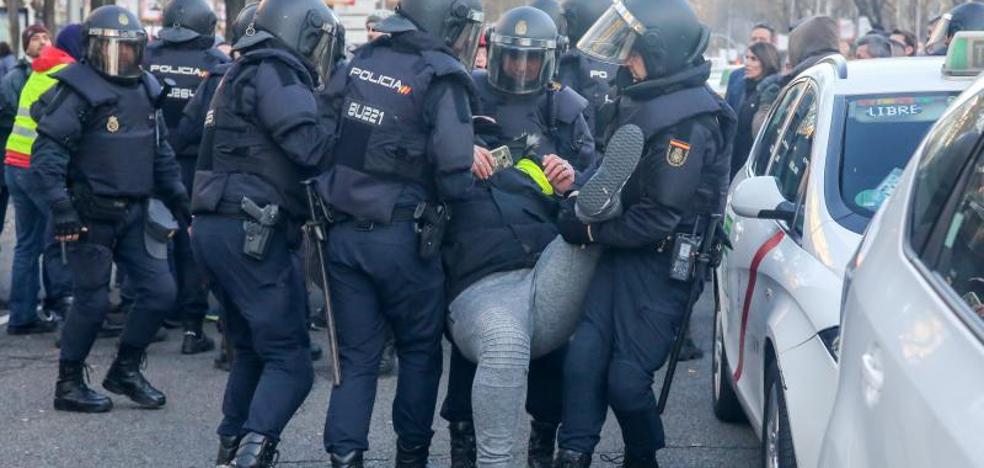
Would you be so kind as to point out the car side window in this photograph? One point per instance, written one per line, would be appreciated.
(945, 152)
(770, 137)
(792, 159)
(960, 258)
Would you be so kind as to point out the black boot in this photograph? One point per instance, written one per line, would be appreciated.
(227, 450)
(195, 339)
(352, 460)
(541, 448)
(256, 451)
(124, 378)
(571, 459)
(72, 393)
(411, 457)
(640, 461)
(462, 444)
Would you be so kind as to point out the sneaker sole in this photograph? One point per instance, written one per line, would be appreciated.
(621, 158)
(146, 404)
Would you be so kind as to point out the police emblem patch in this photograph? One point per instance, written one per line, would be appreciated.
(124, 20)
(521, 28)
(677, 153)
(113, 125)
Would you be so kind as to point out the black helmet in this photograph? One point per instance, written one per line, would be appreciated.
(307, 27)
(114, 42)
(666, 33)
(522, 51)
(580, 15)
(242, 22)
(456, 22)
(966, 17)
(185, 20)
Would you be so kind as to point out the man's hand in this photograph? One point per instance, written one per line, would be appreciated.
(484, 165)
(67, 224)
(572, 229)
(180, 208)
(559, 172)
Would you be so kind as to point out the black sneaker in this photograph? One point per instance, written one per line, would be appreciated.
(37, 327)
(600, 198)
(196, 343)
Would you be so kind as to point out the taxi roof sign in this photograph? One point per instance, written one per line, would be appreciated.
(965, 56)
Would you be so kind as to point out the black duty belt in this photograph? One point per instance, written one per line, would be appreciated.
(401, 214)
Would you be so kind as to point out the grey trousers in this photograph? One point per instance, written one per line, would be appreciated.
(508, 318)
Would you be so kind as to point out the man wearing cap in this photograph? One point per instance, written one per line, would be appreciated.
(185, 55)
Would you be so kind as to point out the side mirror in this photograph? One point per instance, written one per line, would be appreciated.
(759, 197)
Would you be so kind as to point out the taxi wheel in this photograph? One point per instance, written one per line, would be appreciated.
(777, 439)
(725, 401)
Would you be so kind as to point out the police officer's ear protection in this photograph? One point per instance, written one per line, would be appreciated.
(655, 57)
(457, 19)
(311, 35)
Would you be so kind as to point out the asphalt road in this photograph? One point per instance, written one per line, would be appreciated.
(182, 434)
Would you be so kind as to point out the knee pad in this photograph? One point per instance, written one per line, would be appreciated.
(629, 386)
(504, 344)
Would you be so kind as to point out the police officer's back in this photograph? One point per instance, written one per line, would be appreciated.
(182, 57)
(404, 146)
(264, 134)
(101, 153)
(681, 178)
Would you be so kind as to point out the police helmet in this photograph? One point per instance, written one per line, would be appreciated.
(555, 11)
(114, 42)
(185, 20)
(242, 22)
(522, 51)
(581, 14)
(306, 27)
(665, 33)
(456, 22)
(966, 17)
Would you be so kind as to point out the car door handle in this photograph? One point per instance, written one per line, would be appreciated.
(872, 376)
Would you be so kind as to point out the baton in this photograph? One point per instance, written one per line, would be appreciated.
(316, 229)
(700, 272)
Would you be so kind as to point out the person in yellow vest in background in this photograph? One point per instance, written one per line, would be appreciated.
(31, 209)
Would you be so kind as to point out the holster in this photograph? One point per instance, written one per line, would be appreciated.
(431, 224)
(258, 227)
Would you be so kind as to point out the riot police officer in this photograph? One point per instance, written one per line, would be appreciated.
(966, 17)
(185, 55)
(588, 76)
(263, 135)
(404, 146)
(101, 153)
(511, 215)
(644, 217)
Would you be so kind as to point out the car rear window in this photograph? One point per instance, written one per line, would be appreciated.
(881, 134)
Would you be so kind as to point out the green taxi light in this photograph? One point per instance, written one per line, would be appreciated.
(965, 56)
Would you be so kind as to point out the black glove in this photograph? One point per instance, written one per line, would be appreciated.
(180, 207)
(65, 219)
(572, 229)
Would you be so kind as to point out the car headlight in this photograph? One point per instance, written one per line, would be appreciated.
(831, 340)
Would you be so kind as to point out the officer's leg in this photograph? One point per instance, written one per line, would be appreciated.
(412, 296)
(649, 308)
(544, 402)
(586, 367)
(192, 301)
(562, 276)
(215, 244)
(491, 321)
(360, 340)
(91, 263)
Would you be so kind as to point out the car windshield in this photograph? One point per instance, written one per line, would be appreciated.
(881, 134)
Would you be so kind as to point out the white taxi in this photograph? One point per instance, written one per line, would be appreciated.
(911, 387)
(829, 154)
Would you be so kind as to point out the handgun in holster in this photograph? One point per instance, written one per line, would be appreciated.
(258, 227)
(431, 224)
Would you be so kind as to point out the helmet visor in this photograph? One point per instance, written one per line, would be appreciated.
(465, 44)
(937, 42)
(118, 57)
(520, 70)
(323, 56)
(611, 38)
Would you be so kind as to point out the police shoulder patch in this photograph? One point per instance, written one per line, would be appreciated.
(677, 153)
